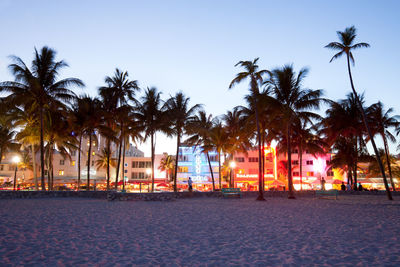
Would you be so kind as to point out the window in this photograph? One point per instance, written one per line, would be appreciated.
(137, 175)
(61, 172)
(141, 164)
(93, 153)
(213, 158)
(183, 169)
(310, 173)
(183, 158)
(10, 167)
(296, 173)
(253, 159)
(92, 162)
(1, 167)
(239, 159)
(295, 151)
(62, 162)
(126, 164)
(148, 164)
(73, 163)
(295, 162)
(309, 162)
(73, 153)
(269, 171)
(125, 171)
(330, 173)
(307, 152)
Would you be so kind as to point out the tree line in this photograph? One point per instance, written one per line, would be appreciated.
(42, 113)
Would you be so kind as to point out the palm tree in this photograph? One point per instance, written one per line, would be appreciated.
(150, 114)
(345, 47)
(39, 86)
(218, 136)
(167, 164)
(7, 142)
(103, 160)
(180, 114)
(382, 121)
(117, 93)
(29, 134)
(296, 103)
(256, 77)
(199, 135)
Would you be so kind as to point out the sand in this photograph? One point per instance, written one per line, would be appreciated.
(354, 230)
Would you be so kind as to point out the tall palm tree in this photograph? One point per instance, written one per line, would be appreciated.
(117, 93)
(256, 77)
(151, 115)
(345, 47)
(199, 135)
(39, 86)
(218, 136)
(7, 142)
(102, 160)
(180, 114)
(296, 103)
(381, 122)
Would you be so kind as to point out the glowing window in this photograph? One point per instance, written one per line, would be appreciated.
(183, 169)
(309, 162)
(61, 172)
(73, 163)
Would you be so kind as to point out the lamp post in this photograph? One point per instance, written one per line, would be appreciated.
(232, 164)
(15, 160)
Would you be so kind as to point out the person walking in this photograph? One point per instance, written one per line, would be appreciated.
(323, 184)
(190, 183)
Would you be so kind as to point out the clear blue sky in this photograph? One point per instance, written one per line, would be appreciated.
(193, 45)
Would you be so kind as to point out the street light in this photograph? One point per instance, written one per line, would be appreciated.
(16, 159)
(232, 165)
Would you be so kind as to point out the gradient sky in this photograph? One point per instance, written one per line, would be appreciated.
(193, 45)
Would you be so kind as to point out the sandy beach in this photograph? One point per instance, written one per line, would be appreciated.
(354, 230)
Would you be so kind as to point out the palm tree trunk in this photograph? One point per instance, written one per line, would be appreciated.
(34, 166)
(301, 165)
(263, 159)
(177, 159)
(108, 163)
(388, 193)
(219, 170)
(211, 170)
(88, 163)
(260, 172)
(123, 167)
(79, 162)
(290, 178)
(119, 160)
(42, 150)
(355, 166)
(388, 161)
(152, 162)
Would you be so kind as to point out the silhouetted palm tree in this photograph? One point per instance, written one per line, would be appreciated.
(218, 136)
(296, 103)
(39, 86)
(256, 77)
(151, 115)
(381, 122)
(180, 114)
(345, 47)
(199, 136)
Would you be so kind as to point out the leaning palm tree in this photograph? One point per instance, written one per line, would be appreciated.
(345, 47)
(150, 114)
(180, 114)
(296, 104)
(382, 121)
(39, 86)
(256, 77)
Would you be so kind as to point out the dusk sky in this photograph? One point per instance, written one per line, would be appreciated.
(193, 45)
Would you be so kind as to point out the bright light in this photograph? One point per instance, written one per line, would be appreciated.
(148, 171)
(328, 186)
(16, 159)
(297, 187)
(319, 165)
(232, 164)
